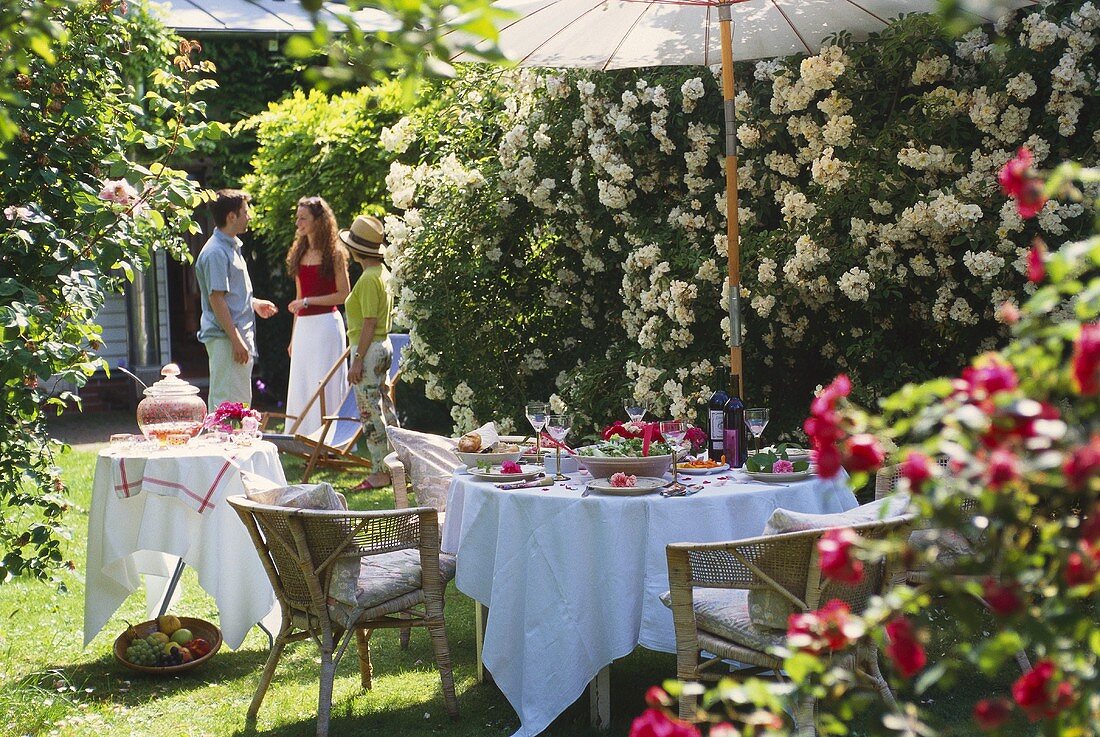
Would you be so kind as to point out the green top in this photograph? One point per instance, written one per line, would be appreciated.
(370, 297)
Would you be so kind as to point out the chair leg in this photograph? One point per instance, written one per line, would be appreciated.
(874, 672)
(687, 667)
(269, 672)
(438, 631)
(404, 637)
(366, 670)
(804, 717)
(324, 696)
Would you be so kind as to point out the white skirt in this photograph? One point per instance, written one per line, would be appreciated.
(318, 342)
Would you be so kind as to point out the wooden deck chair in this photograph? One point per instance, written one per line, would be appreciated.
(333, 444)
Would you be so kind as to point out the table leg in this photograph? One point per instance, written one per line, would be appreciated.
(171, 588)
(599, 699)
(481, 615)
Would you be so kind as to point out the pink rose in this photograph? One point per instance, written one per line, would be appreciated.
(1003, 599)
(655, 723)
(621, 480)
(917, 467)
(782, 466)
(835, 556)
(1003, 468)
(1086, 360)
(1019, 182)
(992, 713)
(510, 467)
(1036, 268)
(864, 453)
(904, 650)
(828, 629)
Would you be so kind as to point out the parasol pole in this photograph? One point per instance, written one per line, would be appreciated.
(733, 228)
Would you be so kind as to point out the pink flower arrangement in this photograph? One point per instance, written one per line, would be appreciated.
(782, 466)
(697, 438)
(510, 467)
(231, 416)
(621, 480)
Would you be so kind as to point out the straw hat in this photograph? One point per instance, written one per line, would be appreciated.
(365, 237)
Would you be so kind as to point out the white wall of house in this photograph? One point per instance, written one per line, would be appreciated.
(113, 319)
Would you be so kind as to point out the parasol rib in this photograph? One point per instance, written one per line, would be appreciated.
(626, 35)
(795, 30)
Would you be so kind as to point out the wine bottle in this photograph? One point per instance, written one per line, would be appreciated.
(735, 435)
(716, 420)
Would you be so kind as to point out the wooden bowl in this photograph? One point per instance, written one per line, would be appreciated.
(199, 628)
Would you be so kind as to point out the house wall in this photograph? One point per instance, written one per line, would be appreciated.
(113, 319)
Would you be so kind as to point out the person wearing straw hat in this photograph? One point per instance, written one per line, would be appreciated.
(368, 309)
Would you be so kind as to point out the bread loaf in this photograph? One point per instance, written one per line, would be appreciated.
(470, 443)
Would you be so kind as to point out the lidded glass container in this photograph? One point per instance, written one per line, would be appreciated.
(171, 406)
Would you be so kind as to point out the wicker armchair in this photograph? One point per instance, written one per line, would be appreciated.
(709, 585)
(301, 550)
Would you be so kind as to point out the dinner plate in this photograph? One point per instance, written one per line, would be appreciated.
(644, 485)
(703, 471)
(793, 454)
(494, 474)
(796, 476)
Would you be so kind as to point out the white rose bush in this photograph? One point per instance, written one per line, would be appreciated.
(564, 231)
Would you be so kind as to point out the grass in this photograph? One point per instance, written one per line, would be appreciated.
(51, 685)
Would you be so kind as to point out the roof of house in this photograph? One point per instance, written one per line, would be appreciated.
(259, 17)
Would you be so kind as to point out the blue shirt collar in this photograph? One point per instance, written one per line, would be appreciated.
(231, 241)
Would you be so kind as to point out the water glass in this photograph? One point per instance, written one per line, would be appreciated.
(558, 427)
(756, 419)
(635, 409)
(674, 432)
(537, 413)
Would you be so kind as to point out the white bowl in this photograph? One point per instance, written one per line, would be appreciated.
(470, 460)
(606, 466)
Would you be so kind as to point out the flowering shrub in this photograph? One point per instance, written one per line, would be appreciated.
(1021, 488)
(586, 212)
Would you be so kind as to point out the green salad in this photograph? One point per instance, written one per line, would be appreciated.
(623, 448)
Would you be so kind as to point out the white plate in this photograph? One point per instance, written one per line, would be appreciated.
(644, 485)
(494, 474)
(793, 454)
(703, 471)
(796, 476)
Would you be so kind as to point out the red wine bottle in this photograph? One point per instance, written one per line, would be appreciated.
(736, 435)
(716, 420)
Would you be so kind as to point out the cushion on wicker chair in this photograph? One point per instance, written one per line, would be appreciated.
(380, 578)
(725, 613)
(299, 496)
(429, 460)
(769, 608)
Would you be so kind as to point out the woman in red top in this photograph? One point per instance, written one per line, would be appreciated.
(318, 262)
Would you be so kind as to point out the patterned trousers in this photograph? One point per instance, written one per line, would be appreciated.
(376, 409)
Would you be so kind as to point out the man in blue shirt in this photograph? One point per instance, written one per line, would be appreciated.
(228, 325)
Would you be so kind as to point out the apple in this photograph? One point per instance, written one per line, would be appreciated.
(182, 636)
(168, 623)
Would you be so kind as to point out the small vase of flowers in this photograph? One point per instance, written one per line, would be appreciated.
(233, 419)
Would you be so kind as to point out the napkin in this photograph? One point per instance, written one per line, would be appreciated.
(545, 481)
(488, 433)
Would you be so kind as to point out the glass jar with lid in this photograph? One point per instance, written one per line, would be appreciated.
(171, 407)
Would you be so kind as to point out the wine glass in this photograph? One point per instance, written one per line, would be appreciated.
(558, 427)
(674, 432)
(635, 409)
(756, 419)
(536, 414)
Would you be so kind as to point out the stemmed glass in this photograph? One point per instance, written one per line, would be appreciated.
(558, 427)
(635, 409)
(757, 419)
(674, 432)
(536, 414)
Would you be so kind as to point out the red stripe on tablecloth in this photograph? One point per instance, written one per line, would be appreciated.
(173, 485)
(217, 482)
(125, 486)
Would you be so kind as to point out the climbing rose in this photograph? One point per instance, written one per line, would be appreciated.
(917, 467)
(1036, 268)
(1086, 360)
(992, 713)
(1082, 565)
(990, 375)
(1003, 468)
(657, 696)
(830, 628)
(1003, 598)
(655, 723)
(906, 653)
(1038, 695)
(1083, 464)
(835, 556)
(1019, 182)
(863, 453)
(823, 426)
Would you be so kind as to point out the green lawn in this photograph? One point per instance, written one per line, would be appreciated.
(51, 685)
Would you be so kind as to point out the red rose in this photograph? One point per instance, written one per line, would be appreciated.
(1003, 599)
(835, 556)
(1083, 464)
(1036, 693)
(1003, 467)
(655, 723)
(863, 453)
(917, 468)
(1036, 267)
(656, 696)
(990, 375)
(828, 629)
(1082, 565)
(1090, 528)
(1086, 360)
(828, 461)
(1019, 182)
(904, 651)
(992, 713)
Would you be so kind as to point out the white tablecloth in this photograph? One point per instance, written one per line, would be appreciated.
(145, 514)
(572, 584)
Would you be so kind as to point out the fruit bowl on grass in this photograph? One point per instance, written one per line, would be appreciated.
(205, 639)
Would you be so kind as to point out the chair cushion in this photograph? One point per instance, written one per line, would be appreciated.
(769, 608)
(950, 545)
(380, 578)
(299, 496)
(725, 613)
(429, 460)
